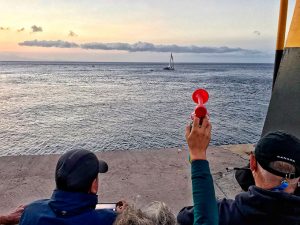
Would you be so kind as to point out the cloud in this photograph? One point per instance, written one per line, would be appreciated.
(20, 30)
(149, 47)
(138, 47)
(48, 44)
(72, 34)
(257, 32)
(4, 28)
(36, 29)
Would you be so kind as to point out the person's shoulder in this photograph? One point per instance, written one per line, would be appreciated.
(225, 205)
(186, 216)
(37, 204)
(225, 201)
(33, 210)
(227, 209)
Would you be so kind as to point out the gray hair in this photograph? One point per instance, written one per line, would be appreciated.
(132, 216)
(159, 213)
(284, 167)
(280, 166)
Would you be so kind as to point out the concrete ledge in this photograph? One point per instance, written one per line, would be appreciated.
(137, 176)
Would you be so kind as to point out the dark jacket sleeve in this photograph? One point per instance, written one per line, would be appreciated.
(225, 208)
(205, 205)
(186, 216)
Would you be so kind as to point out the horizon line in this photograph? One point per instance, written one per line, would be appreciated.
(152, 62)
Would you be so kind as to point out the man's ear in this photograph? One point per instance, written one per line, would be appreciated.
(253, 162)
(94, 186)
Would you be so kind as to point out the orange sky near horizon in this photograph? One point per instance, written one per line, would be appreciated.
(233, 23)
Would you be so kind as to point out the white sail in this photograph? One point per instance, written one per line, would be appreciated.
(171, 64)
(172, 61)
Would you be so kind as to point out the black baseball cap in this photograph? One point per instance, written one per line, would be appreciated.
(279, 146)
(77, 169)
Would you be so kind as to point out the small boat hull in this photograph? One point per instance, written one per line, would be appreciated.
(169, 68)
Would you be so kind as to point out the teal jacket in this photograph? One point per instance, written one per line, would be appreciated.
(205, 205)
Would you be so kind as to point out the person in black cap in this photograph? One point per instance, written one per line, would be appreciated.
(275, 167)
(75, 197)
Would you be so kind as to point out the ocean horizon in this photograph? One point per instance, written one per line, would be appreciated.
(121, 62)
(52, 106)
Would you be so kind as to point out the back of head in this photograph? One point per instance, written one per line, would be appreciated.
(132, 216)
(159, 213)
(77, 169)
(278, 156)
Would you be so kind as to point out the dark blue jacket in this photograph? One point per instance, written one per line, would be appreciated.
(256, 206)
(67, 208)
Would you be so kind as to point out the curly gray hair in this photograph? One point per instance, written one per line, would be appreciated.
(132, 216)
(159, 213)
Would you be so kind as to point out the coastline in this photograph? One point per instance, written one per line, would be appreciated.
(137, 176)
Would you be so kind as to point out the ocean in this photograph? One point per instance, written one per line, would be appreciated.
(52, 107)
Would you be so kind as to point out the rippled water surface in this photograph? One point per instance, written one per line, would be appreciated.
(53, 107)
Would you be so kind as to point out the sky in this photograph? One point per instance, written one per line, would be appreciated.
(139, 30)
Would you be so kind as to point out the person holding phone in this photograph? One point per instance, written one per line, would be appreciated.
(75, 197)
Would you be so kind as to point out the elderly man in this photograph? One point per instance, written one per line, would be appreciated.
(275, 167)
(74, 200)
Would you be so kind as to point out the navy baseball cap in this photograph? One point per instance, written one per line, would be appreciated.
(279, 146)
(77, 169)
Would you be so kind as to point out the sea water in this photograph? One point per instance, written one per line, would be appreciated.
(51, 107)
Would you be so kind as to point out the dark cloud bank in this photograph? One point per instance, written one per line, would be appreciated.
(48, 44)
(137, 47)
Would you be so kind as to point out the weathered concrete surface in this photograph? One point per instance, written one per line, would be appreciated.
(243, 150)
(137, 176)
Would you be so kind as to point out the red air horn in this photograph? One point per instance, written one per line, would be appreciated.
(200, 97)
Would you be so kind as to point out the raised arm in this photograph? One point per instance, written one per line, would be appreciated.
(205, 206)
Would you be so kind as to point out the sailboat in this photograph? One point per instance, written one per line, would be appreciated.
(171, 64)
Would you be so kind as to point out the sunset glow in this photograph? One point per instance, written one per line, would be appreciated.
(233, 24)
